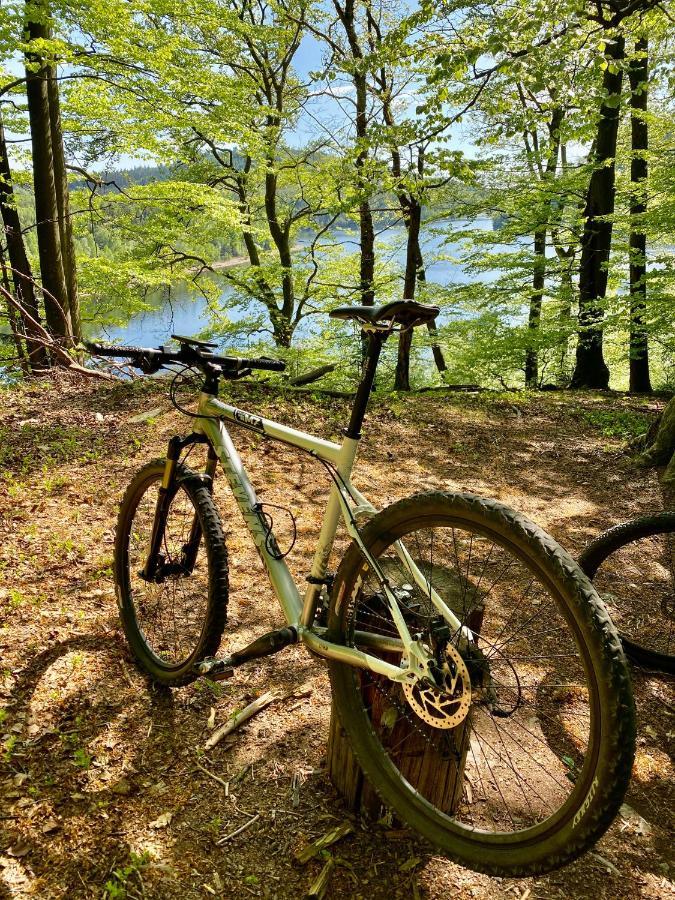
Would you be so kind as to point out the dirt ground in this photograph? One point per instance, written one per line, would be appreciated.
(105, 787)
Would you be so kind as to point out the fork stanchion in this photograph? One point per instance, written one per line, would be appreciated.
(441, 779)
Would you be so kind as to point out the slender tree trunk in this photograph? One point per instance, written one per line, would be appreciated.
(347, 16)
(413, 219)
(564, 319)
(591, 370)
(534, 319)
(46, 205)
(432, 328)
(22, 276)
(545, 173)
(639, 380)
(63, 204)
(280, 330)
(15, 323)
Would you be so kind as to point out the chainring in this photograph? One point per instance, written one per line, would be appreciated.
(435, 706)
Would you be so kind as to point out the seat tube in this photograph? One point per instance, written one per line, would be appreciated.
(376, 341)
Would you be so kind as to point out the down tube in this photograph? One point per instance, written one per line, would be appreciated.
(242, 489)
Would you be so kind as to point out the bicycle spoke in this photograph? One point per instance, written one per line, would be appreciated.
(530, 719)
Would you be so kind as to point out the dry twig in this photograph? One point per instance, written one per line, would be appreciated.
(239, 830)
(239, 718)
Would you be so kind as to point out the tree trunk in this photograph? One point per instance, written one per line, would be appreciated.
(413, 221)
(534, 320)
(663, 446)
(564, 320)
(46, 205)
(63, 204)
(22, 276)
(591, 370)
(280, 326)
(16, 326)
(639, 380)
(347, 16)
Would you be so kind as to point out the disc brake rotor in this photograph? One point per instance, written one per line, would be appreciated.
(442, 707)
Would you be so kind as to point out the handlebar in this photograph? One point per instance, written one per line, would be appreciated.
(151, 359)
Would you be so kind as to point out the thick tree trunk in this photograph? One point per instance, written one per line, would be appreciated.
(22, 276)
(63, 204)
(536, 298)
(591, 370)
(639, 380)
(660, 452)
(46, 205)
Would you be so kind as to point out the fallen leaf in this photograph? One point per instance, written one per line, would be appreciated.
(21, 848)
(211, 721)
(409, 864)
(122, 787)
(162, 821)
(50, 826)
(157, 789)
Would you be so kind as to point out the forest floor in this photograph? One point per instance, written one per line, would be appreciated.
(102, 776)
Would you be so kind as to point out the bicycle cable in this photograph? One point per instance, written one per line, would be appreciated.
(176, 383)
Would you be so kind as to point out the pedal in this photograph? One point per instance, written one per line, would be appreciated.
(215, 669)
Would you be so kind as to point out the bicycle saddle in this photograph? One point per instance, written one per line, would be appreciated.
(406, 313)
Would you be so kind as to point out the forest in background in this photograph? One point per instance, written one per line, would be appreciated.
(275, 123)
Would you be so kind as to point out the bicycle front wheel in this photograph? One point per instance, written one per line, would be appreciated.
(176, 620)
(536, 717)
(632, 567)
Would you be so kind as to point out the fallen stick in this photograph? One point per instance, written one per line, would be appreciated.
(239, 830)
(320, 886)
(312, 375)
(220, 781)
(311, 850)
(239, 718)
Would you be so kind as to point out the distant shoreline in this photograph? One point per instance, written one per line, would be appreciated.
(230, 263)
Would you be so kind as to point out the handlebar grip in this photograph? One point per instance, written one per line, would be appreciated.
(106, 350)
(264, 362)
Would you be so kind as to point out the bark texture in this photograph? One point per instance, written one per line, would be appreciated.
(22, 276)
(638, 73)
(591, 370)
(46, 205)
(63, 204)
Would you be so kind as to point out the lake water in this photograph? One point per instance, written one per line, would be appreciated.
(188, 314)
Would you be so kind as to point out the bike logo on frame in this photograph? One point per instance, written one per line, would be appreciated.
(248, 420)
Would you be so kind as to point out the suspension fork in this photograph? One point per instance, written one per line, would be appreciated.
(191, 548)
(165, 495)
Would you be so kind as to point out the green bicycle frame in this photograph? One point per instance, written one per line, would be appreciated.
(345, 502)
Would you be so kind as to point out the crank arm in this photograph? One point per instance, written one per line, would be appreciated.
(265, 645)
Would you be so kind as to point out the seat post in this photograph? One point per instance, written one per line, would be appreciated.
(376, 341)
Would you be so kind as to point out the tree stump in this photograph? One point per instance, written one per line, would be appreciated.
(439, 779)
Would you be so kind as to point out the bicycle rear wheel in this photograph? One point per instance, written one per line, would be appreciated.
(172, 623)
(548, 740)
(633, 569)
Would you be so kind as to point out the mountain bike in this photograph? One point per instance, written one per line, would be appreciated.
(633, 569)
(449, 612)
